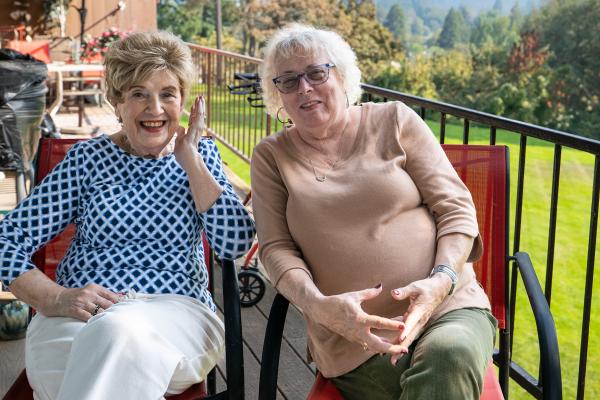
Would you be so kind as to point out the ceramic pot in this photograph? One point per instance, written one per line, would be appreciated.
(14, 318)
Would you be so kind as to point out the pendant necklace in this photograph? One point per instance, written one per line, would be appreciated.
(319, 178)
(331, 163)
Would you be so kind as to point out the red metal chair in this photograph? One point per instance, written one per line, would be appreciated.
(50, 152)
(485, 171)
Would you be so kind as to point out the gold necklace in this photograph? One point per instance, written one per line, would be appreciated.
(319, 148)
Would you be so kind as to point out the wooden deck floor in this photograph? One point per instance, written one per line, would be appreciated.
(295, 374)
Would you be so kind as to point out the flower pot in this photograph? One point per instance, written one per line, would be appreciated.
(14, 318)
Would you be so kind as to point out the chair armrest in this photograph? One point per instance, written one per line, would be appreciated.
(234, 351)
(550, 375)
(269, 367)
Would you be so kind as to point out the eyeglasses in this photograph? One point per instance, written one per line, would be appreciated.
(315, 75)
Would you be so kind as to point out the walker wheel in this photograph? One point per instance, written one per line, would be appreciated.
(252, 287)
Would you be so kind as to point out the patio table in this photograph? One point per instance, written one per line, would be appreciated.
(75, 73)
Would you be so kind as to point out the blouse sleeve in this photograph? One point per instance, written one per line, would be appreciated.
(443, 192)
(278, 251)
(228, 226)
(46, 212)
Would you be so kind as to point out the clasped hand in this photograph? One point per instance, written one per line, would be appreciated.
(343, 314)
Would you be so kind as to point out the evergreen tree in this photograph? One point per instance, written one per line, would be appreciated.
(467, 16)
(454, 31)
(498, 6)
(396, 22)
(516, 18)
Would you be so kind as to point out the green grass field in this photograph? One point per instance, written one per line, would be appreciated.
(570, 255)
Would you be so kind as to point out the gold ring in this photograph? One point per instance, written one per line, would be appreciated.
(365, 346)
(96, 310)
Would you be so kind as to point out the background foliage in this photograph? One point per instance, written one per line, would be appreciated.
(535, 61)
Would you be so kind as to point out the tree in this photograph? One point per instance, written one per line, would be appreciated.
(176, 17)
(570, 30)
(527, 55)
(412, 76)
(516, 17)
(491, 29)
(497, 6)
(262, 18)
(354, 20)
(396, 22)
(454, 31)
(372, 42)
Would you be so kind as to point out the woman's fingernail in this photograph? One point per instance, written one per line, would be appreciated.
(396, 292)
(378, 286)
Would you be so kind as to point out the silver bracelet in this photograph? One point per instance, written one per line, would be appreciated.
(448, 270)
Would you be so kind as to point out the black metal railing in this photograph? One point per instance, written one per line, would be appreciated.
(239, 126)
(559, 140)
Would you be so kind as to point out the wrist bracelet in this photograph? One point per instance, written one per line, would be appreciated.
(448, 270)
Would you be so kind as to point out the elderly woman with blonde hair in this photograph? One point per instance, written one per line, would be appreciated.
(130, 315)
(365, 226)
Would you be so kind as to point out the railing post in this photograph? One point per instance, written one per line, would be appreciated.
(589, 281)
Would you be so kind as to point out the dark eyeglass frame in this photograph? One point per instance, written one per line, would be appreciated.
(277, 80)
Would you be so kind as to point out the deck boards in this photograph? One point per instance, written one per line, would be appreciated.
(295, 375)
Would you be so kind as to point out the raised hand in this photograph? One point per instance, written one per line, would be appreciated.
(186, 143)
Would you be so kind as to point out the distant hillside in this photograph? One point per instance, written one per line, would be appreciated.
(474, 6)
(428, 15)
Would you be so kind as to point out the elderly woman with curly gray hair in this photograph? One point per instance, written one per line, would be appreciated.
(130, 315)
(365, 226)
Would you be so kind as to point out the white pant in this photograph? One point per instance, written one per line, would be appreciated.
(140, 349)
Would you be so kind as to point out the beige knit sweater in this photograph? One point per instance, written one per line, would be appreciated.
(375, 219)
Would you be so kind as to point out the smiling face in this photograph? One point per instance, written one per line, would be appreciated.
(313, 107)
(150, 112)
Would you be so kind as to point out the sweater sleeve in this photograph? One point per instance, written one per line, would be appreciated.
(443, 192)
(278, 251)
(228, 226)
(46, 212)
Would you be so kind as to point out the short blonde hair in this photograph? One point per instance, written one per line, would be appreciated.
(306, 40)
(134, 58)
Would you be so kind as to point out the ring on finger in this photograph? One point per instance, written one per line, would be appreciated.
(365, 346)
(96, 309)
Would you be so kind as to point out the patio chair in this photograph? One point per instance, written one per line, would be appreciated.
(50, 152)
(485, 171)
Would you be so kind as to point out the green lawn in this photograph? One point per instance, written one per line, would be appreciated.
(571, 236)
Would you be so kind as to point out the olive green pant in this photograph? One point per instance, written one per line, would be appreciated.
(448, 361)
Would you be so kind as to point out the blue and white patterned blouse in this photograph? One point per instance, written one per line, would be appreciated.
(137, 226)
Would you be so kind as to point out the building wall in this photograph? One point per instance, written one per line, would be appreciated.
(138, 15)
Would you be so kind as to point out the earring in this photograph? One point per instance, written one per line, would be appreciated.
(288, 122)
